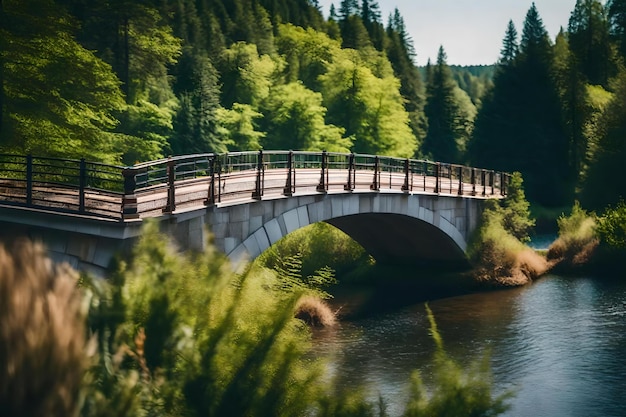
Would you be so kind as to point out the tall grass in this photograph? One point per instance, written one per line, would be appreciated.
(455, 392)
(42, 335)
(577, 239)
(591, 242)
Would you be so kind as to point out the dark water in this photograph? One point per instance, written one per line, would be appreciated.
(560, 344)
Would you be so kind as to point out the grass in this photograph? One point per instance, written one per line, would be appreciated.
(315, 312)
(42, 334)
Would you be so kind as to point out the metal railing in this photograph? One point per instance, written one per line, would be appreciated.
(182, 182)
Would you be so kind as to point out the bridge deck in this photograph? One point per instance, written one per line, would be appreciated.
(186, 183)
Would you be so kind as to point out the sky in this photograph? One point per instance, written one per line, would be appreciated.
(470, 31)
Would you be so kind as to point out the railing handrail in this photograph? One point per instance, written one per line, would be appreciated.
(20, 174)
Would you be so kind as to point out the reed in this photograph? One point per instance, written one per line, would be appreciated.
(42, 334)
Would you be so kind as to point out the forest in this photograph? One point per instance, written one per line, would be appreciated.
(124, 81)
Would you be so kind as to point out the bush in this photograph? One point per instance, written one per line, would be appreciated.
(577, 239)
(498, 257)
(612, 226)
(181, 334)
(318, 245)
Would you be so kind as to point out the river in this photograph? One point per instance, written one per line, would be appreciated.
(559, 344)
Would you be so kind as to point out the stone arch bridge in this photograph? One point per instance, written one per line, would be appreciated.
(400, 210)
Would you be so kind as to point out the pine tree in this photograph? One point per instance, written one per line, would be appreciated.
(447, 122)
(617, 24)
(196, 123)
(520, 124)
(588, 36)
(575, 105)
(510, 47)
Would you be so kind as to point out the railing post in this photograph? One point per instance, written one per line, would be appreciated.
(171, 187)
(502, 183)
(376, 184)
(82, 183)
(323, 185)
(289, 190)
(351, 172)
(492, 179)
(460, 180)
(29, 180)
(211, 194)
(258, 189)
(405, 186)
(129, 200)
(437, 172)
(424, 172)
(473, 181)
(482, 179)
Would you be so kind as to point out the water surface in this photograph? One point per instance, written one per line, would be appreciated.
(560, 344)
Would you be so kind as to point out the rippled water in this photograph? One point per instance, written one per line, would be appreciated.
(560, 344)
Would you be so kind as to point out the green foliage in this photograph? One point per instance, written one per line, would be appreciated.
(294, 119)
(601, 186)
(455, 392)
(579, 225)
(578, 238)
(318, 247)
(588, 36)
(182, 333)
(496, 249)
(367, 106)
(44, 111)
(239, 125)
(526, 134)
(612, 226)
(516, 209)
(450, 115)
(246, 75)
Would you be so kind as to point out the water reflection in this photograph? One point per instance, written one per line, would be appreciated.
(560, 343)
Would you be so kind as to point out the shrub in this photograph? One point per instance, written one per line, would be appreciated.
(497, 255)
(182, 334)
(319, 245)
(577, 238)
(612, 226)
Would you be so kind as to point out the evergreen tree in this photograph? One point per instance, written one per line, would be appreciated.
(348, 8)
(617, 24)
(510, 47)
(371, 17)
(588, 36)
(520, 124)
(196, 123)
(447, 121)
(354, 33)
(603, 184)
(575, 104)
(400, 52)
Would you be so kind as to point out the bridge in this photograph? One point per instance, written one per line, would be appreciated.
(400, 210)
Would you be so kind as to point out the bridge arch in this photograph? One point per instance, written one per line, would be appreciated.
(398, 227)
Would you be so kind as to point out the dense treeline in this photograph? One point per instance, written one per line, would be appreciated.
(124, 81)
